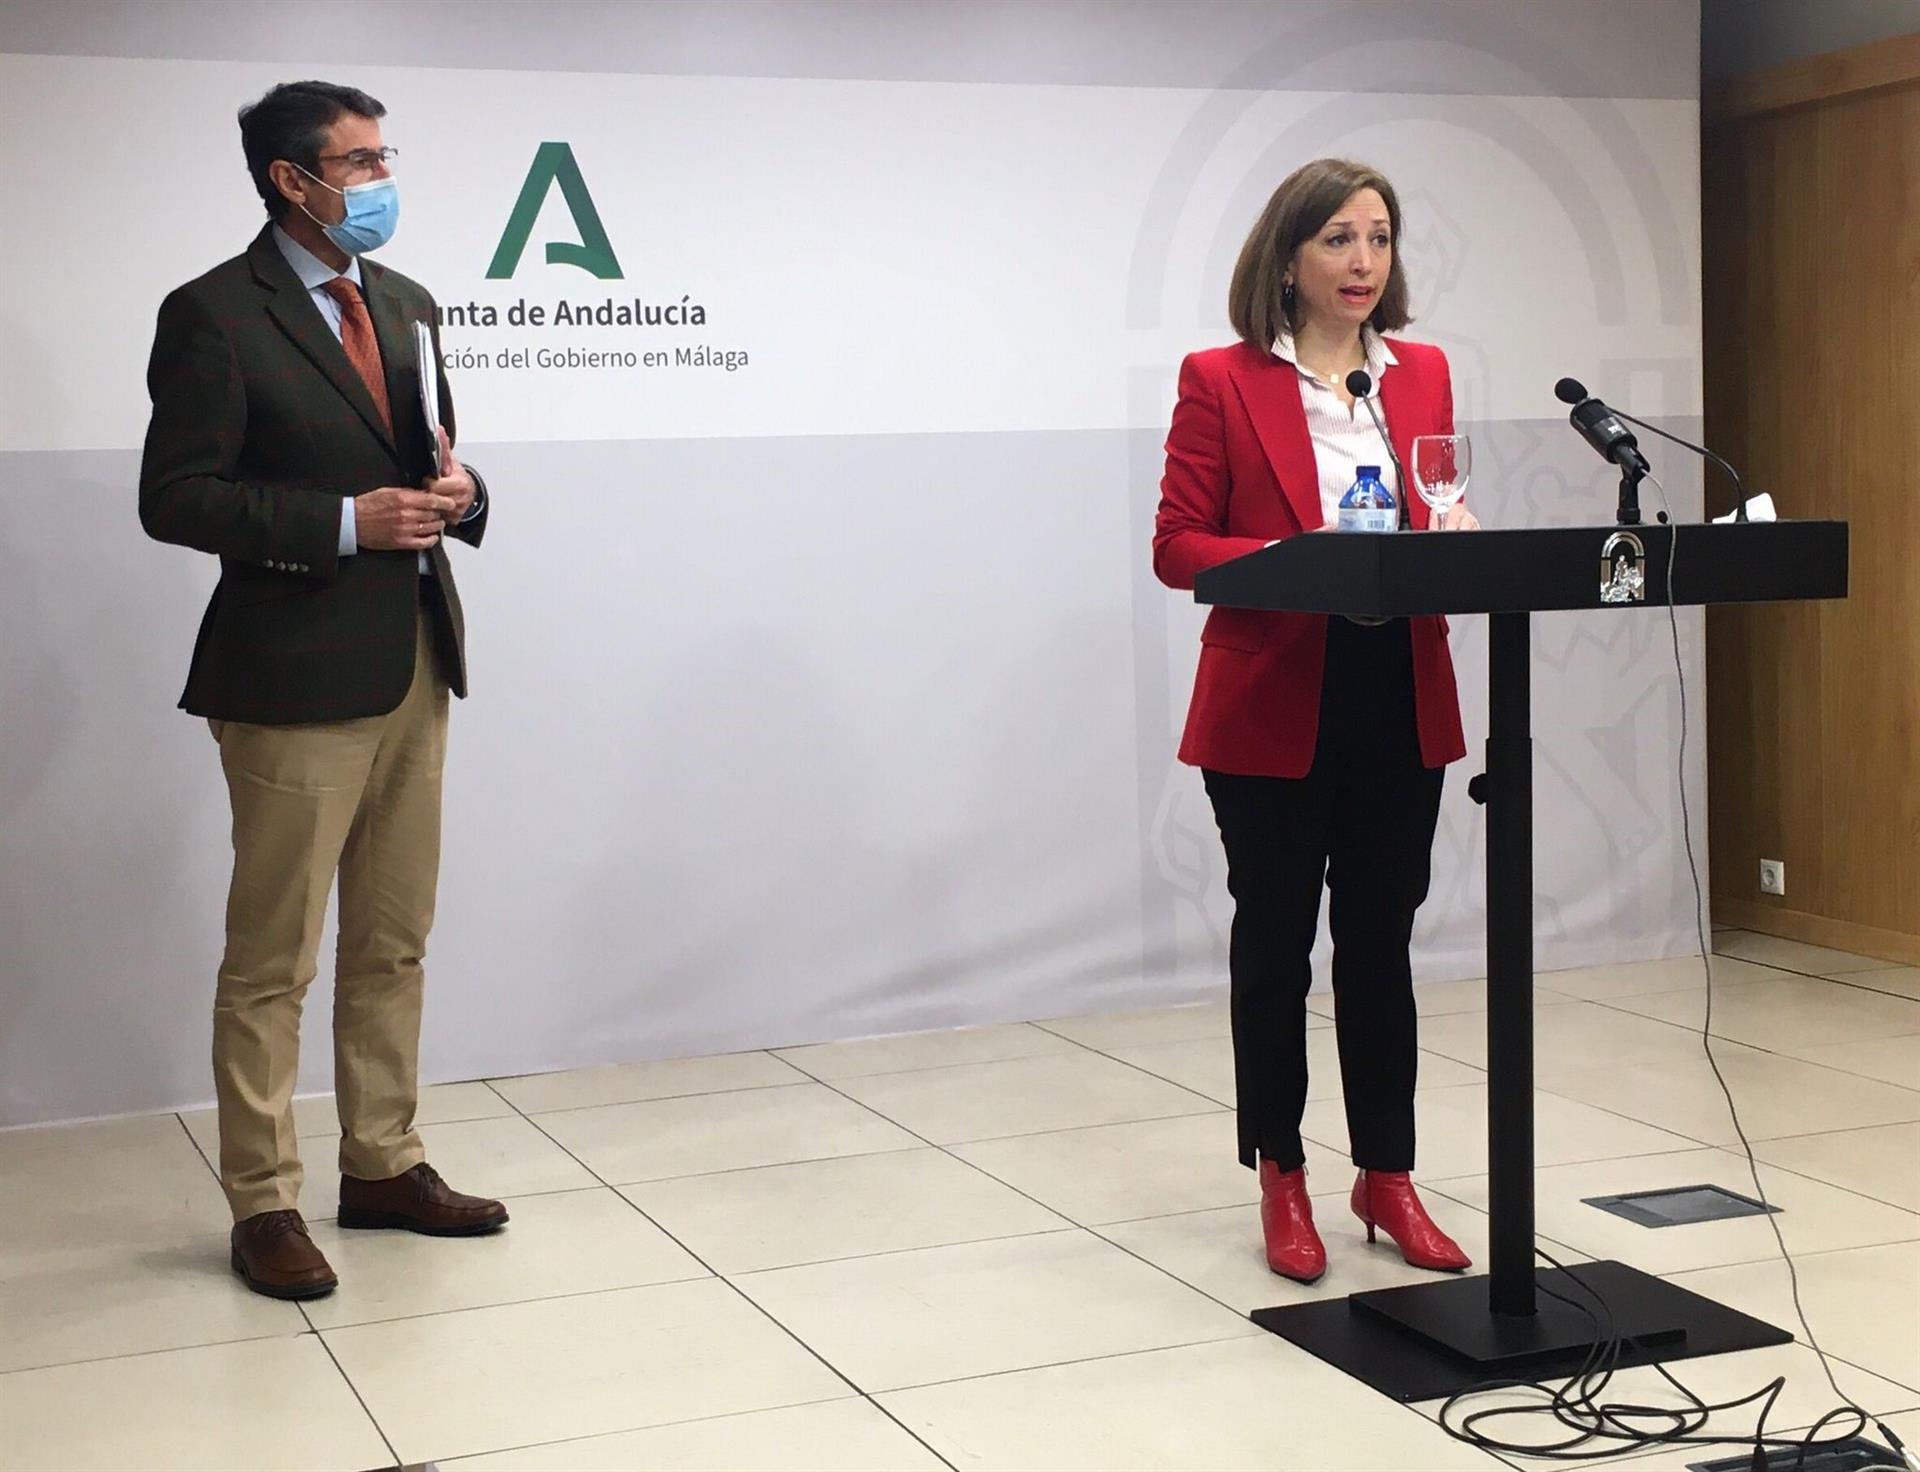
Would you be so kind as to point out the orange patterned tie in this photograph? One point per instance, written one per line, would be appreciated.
(363, 348)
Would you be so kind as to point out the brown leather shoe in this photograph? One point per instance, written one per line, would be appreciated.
(419, 1201)
(274, 1255)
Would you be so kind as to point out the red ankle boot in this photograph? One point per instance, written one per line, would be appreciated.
(1294, 1248)
(1386, 1199)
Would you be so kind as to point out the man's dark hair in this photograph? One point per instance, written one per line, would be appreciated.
(291, 122)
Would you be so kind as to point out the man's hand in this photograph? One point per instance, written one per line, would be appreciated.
(393, 519)
(453, 482)
(1456, 518)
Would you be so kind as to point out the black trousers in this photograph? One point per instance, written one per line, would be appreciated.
(1362, 820)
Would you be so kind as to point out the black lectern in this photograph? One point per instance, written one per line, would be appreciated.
(1434, 1339)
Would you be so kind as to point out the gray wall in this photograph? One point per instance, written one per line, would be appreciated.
(1742, 35)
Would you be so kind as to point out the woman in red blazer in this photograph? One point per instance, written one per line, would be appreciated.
(1322, 741)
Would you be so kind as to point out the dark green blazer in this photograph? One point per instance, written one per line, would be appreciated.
(260, 425)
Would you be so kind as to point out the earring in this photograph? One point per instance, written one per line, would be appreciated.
(1286, 292)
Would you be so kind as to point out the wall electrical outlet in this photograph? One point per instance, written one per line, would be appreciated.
(1773, 876)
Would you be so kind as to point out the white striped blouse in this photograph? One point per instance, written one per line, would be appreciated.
(1344, 437)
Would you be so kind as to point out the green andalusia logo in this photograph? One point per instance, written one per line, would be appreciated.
(554, 163)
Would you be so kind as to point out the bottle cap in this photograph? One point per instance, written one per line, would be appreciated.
(1368, 472)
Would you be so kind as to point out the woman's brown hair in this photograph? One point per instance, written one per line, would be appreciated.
(1306, 199)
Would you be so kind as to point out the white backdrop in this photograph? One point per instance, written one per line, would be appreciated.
(831, 694)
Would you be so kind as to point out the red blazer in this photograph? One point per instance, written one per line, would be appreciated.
(1240, 474)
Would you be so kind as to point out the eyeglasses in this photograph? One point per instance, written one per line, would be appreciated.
(364, 160)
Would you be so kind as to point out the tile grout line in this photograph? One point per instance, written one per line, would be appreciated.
(341, 1370)
(1066, 1227)
(480, 1308)
(1096, 1359)
(1614, 1004)
(740, 1170)
(528, 1446)
(1088, 1048)
(1773, 1258)
(1693, 1029)
(181, 1119)
(1883, 965)
(144, 1354)
(735, 1288)
(1207, 1113)
(1708, 1144)
(1821, 1180)
(1858, 980)
(1694, 1032)
(1628, 1118)
(1039, 1027)
(798, 1083)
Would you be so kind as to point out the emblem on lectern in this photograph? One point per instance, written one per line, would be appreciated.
(1623, 576)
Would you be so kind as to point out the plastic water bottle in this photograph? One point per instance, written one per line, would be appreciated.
(1368, 505)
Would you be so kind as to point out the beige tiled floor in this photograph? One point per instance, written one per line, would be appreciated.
(1015, 1247)
(662, 1138)
(1788, 1014)
(1882, 1163)
(984, 1308)
(192, 1409)
(1901, 981)
(1024, 1096)
(561, 1245)
(780, 1216)
(1792, 955)
(846, 1435)
(673, 1078)
(1860, 1303)
(1891, 1060)
(830, 1061)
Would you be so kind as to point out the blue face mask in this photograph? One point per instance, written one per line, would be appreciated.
(373, 211)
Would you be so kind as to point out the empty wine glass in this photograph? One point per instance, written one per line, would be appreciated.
(1441, 465)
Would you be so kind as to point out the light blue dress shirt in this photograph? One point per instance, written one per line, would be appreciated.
(314, 274)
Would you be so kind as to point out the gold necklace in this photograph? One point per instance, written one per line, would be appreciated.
(1336, 377)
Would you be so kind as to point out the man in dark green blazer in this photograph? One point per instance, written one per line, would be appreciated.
(290, 440)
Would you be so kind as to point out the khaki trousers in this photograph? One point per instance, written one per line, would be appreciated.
(360, 800)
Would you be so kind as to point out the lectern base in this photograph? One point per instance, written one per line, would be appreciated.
(1435, 1339)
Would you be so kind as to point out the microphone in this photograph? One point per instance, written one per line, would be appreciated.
(1578, 390)
(1739, 491)
(1360, 385)
(1600, 427)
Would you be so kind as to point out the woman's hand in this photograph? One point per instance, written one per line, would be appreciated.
(1456, 519)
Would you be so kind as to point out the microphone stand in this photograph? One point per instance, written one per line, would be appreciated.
(1629, 510)
(1360, 385)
